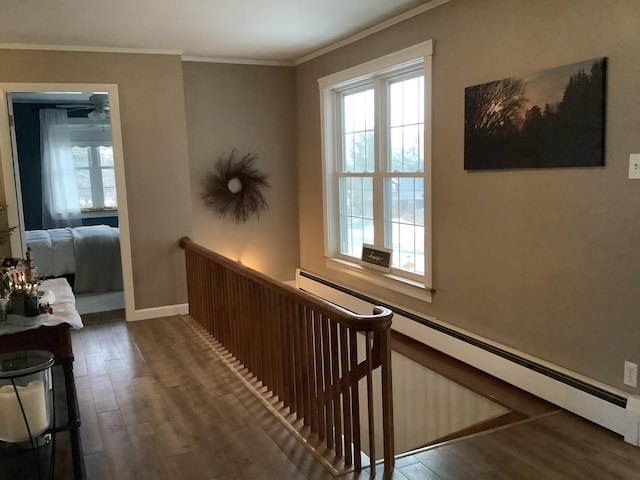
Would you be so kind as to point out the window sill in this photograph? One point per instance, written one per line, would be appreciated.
(99, 209)
(389, 281)
(99, 212)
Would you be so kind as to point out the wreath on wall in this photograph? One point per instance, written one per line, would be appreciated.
(234, 187)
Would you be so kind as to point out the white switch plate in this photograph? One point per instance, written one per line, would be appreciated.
(634, 166)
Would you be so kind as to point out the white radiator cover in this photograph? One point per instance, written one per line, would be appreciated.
(624, 420)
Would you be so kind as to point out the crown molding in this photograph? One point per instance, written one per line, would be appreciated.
(371, 30)
(82, 48)
(239, 61)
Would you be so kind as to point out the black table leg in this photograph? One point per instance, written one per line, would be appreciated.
(74, 420)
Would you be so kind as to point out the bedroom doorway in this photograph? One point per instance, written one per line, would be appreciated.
(89, 117)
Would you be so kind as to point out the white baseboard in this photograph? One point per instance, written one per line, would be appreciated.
(602, 404)
(158, 312)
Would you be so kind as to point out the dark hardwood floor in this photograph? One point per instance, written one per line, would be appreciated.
(156, 403)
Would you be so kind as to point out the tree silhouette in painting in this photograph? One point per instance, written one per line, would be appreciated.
(504, 130)
(493, 112)
(494, 107)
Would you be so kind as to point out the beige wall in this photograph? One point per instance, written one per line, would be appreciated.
(545, 261)
(250, 108)
(155, 153)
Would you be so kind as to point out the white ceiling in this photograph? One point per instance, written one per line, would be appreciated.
(279, 31)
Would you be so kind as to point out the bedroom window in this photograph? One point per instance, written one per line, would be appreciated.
(95, 177)
(376, 139)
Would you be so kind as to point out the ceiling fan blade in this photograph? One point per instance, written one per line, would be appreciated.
(77, 106)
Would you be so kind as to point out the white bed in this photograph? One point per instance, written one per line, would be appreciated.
(91, 253)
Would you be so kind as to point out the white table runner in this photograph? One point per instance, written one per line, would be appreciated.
(60, 296)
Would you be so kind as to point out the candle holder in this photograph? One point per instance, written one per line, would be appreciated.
(26, 399)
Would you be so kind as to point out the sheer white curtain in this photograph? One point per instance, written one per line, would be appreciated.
(60, 202)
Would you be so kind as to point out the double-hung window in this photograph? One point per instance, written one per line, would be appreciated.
(95, 169)
(376, 140)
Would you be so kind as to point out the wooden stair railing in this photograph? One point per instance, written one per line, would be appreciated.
(303, 349)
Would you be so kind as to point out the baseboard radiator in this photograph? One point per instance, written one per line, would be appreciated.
(602, 404)
(302, 354)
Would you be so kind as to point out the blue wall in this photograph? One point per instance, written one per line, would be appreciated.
(27, 125)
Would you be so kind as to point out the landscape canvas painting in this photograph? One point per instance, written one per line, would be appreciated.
(552, 118)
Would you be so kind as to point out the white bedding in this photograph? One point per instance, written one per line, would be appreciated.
(52, 251)
(97, 253)
(92, 253)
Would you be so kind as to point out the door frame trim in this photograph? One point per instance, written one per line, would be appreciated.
(14, 209)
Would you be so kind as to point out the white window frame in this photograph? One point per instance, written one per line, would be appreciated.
(330, 87)
(88, 135)
(95, 176)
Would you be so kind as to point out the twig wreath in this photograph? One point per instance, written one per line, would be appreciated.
(234, 187)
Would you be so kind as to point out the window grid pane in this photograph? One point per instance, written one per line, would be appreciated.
(356, 214)
(109, 187)
(406, 125)
(110, 197)
(83, 181)
(358, 132)
(108, 178)
(81, 156)
(106, 156)
(404, 223)
(95, 176)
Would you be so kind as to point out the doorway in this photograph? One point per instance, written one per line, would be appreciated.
(92, 119)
